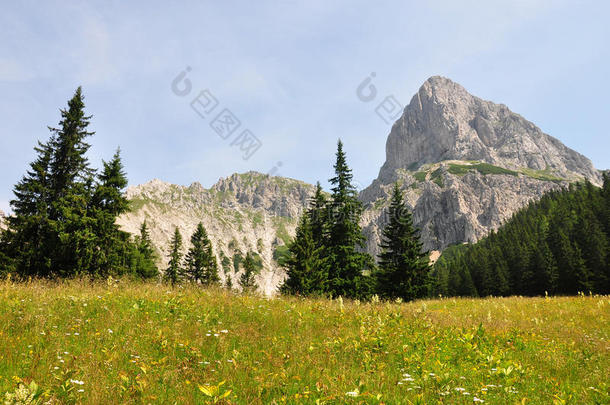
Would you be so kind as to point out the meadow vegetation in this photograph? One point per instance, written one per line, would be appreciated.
(134, 342)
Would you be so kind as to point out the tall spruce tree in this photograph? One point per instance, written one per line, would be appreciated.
(144, 258)
(305, 264)
(201, 264)
(26, 240)
(403, 268)
(108, 203)
(318, 216)
(346, 260)
(247, 280)
(304, 267)
(174, 269)
(74, 245)
(53, 229)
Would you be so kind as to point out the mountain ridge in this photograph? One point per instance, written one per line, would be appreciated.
(241, 213)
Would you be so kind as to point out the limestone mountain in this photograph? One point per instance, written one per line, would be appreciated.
(466, 165)
(242, 213)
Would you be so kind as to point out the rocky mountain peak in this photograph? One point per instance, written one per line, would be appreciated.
(245, 212)
(445, 122)
(466, 165)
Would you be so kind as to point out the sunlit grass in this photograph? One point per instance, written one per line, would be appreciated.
(148, 343)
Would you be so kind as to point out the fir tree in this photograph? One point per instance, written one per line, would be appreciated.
(318, 216)
(73, 244)
(107, 204)
(69, 164)
(403, 265)
(606, 203)
(174, 269)
(304, 267)
(145, 258)
(229, 283)
(247, 280)
(26, 241)
(305, 264)
(201, 265)
(346, 262)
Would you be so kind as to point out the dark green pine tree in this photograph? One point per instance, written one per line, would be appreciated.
(174, 269)
(229, 283)
(403, 268)
(593, 244)
(107, 204)
(144, 260)
(606, 203)
(69, 164)
(304, 266)
(318, 216)
(460, 282)
(25, 243)
(201, 264)
(74, 242)
(247, 280)
(545, 271)
(346, 262)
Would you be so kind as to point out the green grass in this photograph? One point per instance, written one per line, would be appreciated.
(546, 175)
(483, 168)
(437, 177)
(146, 343)
(420, 176)
(281, 254)
(279, 223)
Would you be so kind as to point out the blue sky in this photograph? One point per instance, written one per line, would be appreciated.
(288, 71)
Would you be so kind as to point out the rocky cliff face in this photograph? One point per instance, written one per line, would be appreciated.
(466, 166)
(242, 213)
(444, 122)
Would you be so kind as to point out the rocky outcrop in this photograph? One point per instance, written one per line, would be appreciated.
(2, 220)
(242, 213)
(466, 165)
(444, 122)
(453, 208)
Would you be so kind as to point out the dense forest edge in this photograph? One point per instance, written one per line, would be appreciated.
(558, 245)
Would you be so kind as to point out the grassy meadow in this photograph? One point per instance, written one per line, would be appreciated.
(124, 342)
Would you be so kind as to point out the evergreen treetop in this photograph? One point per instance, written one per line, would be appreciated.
(403, 265)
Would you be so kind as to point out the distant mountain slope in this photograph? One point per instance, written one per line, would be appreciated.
(466, 165)
(244, 212)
